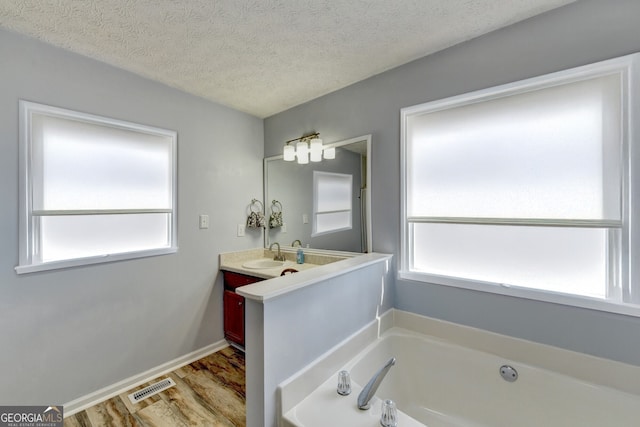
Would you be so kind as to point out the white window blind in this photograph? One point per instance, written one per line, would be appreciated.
(94, 189)
(523, 189)
(551, 153)
(332, 202)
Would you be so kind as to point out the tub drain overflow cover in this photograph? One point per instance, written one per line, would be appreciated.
(508, 373)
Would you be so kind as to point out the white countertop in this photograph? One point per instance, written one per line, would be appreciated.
(234, 261)
(281, 285)
(318, 266)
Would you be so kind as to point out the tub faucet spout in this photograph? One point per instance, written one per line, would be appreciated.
(372, 386)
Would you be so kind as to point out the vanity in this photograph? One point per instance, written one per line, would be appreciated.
(255, 265)
(288, 321)
(233, 306)
(289, 191)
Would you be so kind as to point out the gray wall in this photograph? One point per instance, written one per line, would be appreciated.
(70, 332)
(578, 34)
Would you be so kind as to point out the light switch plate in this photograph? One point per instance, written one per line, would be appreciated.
(204, 221)
(240, 230)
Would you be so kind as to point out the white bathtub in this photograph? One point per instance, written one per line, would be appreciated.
(439, 382)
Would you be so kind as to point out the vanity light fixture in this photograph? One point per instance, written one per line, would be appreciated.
(308, 147)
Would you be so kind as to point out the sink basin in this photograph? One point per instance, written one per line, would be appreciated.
(258, 264)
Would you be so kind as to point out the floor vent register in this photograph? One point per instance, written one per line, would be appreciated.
(140, 395)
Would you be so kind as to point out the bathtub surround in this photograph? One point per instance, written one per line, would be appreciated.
(581, 33)
(67, 333)
(440, 364)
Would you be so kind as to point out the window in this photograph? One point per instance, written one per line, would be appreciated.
(93, 189)
(332, 202)
(523, 189)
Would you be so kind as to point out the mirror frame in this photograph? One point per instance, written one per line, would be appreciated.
(367, 139)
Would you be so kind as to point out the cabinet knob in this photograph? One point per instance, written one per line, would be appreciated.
(239, 302)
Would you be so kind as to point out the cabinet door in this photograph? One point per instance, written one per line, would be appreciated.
(234, 317)
(235, 280)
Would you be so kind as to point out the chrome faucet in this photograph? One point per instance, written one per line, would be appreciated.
(278, 256)
(372, 386)
(296, 241)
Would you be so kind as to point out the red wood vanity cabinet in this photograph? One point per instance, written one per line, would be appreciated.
(234, 305)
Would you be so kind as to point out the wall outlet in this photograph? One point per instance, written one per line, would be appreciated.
(305, 218)
(240, 230)
(204, 221)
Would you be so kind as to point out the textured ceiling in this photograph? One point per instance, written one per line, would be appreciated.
(261, 56)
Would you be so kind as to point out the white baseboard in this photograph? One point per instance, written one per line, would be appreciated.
(112, 390)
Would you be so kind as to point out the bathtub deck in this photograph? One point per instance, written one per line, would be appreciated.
(324, 404)
(448, 375)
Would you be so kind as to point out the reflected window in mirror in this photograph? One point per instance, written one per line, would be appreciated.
(332, 202)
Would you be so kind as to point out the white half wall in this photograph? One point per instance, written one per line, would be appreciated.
(284, 334)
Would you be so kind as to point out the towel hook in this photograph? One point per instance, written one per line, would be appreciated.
(257, 204)
(256, 217)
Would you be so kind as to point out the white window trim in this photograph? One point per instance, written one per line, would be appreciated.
(629, 68)
(26, 211)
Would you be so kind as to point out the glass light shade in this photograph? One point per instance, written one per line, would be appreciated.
(302, 152)
(316, 150)
(330, 153)
(289, 153)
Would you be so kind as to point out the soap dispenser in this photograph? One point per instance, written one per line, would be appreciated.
(300, 256)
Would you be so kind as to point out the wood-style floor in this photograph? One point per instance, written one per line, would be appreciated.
(209, 392)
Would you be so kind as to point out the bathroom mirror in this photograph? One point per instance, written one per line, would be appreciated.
(292, 186)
